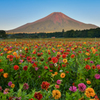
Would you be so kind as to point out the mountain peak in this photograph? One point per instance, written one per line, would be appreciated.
(56, 13)
(55, 21)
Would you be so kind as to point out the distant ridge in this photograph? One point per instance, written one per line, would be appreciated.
(54, 22)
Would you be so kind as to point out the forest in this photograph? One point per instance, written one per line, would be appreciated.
(88, 33)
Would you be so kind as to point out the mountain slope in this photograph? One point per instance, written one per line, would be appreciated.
(54, 22)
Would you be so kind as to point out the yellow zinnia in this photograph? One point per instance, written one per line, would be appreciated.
(88, 82)
(62, 75)
(89, 92)
(5, 75)
(12, 85)
(14, 53)
(65, 60)
(56, 94)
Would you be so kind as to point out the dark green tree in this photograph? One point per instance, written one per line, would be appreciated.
(3, 34)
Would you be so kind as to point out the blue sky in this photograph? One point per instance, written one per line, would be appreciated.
(14, 13)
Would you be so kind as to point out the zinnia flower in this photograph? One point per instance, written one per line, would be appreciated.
(56, 73)
(38, 96)
(26, 86)
(58, 81)
(88, 82)
(89, 92)
(65, 60)
(45, 85)
(34, 65)
(6, 91)
(91, 62)
(72, 56)
(56, 94)
(0, 88)
(62, 75)
(36, 68)
(5, 75)
(9, 84)
(38, 54)
(97, 76)
(81, 87)
(88, 67)
(31, 99)
(98, 66)
(57, 86)
(73, 88)
(45, 67)
(54, 60)
(63, 56)
(93, 67)
(25, 68)
(12, 85)
(1, 70)
(29, 59)
(16, 67)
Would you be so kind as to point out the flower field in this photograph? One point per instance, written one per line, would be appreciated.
(50, 69)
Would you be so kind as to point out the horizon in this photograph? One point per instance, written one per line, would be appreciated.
(17, 13)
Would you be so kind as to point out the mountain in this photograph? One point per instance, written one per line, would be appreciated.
(53, 23)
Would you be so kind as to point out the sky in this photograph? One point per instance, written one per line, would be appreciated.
(14, 13)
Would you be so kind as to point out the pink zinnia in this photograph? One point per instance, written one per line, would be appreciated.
(6, 91)
(97, 76)
(73, 88)
(58, 81)
(57, 86)
(98, 66)
(9, 84)
(26, 86)
(36, 68)
(81, 87)
(0, 88)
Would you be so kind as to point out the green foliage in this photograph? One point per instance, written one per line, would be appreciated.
(3, 34)
(89, 33)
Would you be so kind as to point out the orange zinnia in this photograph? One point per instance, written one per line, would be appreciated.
(5, 75)
(62, 75)
(56, 73)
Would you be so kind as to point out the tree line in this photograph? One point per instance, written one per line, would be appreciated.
(88, 33)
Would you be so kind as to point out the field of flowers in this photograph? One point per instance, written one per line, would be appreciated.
(50, 69)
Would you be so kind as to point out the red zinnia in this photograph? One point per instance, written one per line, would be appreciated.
(45, 85)
(16, 67)
(88, 58)
(68, 50)
(63, 56)
(63, 65)
(49, 59)
(45, 67)
(10, 56)
(67, 71)
(50, 70)
(39, 54)
(93, 67)
(87, 67)
(34, 65)
(54, 60)
(29, 59)
(38, 96)
(73, 84)
(25, 68)
(96, 97)
(72, 56)
(31, 99)
(1, 70)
